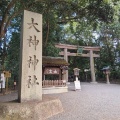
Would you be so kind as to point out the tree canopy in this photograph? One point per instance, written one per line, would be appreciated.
(88, 23)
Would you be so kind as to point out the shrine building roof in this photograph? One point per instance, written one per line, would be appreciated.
(54, 61)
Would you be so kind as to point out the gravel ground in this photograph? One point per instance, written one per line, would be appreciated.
(93, 102)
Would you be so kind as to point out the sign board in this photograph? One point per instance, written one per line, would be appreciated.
(7, 74)
(80, 51)
(77, 85)
(51, 71)
(3, 79)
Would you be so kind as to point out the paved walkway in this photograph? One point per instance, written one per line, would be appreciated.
(9, 97)
(93, 102)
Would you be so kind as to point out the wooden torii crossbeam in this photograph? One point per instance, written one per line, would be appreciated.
(90, 54)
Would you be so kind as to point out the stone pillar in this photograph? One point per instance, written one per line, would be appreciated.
(66, 58)
(30, 79)
(92, 67)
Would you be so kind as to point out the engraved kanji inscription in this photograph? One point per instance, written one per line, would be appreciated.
(33, 25)
(33, 61)
(30, 61)
(32, 81)
(33, 41)
(29, 81)
(35, 80)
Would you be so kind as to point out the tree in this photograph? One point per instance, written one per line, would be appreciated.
(73, 20)
(9, 9)
(12, 60)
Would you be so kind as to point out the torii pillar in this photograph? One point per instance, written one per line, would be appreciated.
(92, 67)
(66, 58)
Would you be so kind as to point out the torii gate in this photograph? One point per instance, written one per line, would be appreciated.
(90, 54)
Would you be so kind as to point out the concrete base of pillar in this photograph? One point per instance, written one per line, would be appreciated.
(94, 82)
(108, 82)
(30, 110)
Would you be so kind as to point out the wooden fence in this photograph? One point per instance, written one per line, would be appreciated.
(51, 83)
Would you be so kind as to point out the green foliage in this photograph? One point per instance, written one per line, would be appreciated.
(66, 21)
(51, 50)
(12, 59)
(110, 51)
